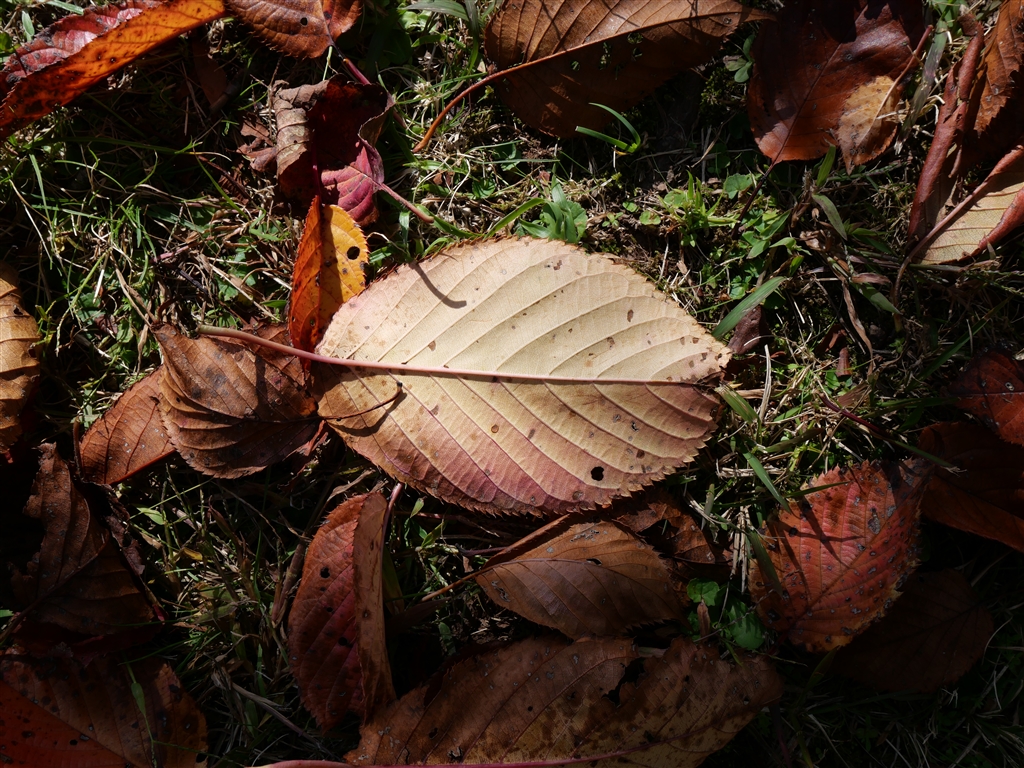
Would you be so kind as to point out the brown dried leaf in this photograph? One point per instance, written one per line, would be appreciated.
(985, 496)
(997, 90)
(57, 713)
(827, 73)
(536, 307)
(614, 52)
(129, 437)
(843, 556)
(19, 368)
(328, 272)
(934, 633)
(992, 388)
(78, 579)
(583, 578)
(301, 28)
(546, 699)
(64, 60)
(231, 410)
(330, 637)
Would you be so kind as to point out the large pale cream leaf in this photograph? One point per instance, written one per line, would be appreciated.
(18, 368)
(532, 307)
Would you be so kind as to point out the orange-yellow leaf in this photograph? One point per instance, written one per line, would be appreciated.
(328, 272)
(302, 28)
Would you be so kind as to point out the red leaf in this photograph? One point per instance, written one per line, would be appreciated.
(935, 633)
(992, 388)
(985, 496)
(128, 437)
(336, 628)
(843, 556)
(78, 51)
(57, 714)
(819, 64)
(304, 28)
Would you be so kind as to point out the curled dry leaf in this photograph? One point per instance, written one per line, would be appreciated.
(583, 578)
(827, 73)
(331, 639)
(78, 51)
(985, 494)
(669, 528)
(128, 437)
(57, 713)
(983, 218)
(547, 699)
(329, 270)
(301, 28)
(78, 579)
(934, 633)
(230, 410)
(568, 55)
(843, 556)
(997, 91)
(19, 368)
(536, 308)
(337, 124)
(992, 388)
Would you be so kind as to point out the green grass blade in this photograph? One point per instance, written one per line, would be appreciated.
(755, 298)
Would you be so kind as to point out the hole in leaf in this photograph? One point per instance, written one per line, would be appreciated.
(325, 572)
(353, 253)
(597, 473)
(304, 21)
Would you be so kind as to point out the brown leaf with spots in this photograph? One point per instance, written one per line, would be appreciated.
(64, 60)
(997, 91)
(831, 73)
(329, 270)
(128, 437)
(336, 627)
(301, 28)
(841, 554)
(78, 579)
(19, 368)
(992, 388)
(582, 578)
(984, 493)
(934, 633)
(231, 410)
(545, 699)
(57, 713)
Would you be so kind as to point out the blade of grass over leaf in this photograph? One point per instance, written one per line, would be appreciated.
(755, 298)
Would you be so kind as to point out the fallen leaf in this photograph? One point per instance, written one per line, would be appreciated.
(934, 633)
(992, 388)
(301, 28)
(841, 554)
(828, 73)
(231, 411)
(64, 60)
(583, 578)
(78, 579)
(19, 368)
(128, 437)
(669, 528)
(329, 270)
(57, 713)
(997, 91)
(983, 218)
(330, 129)
(545, 699)
(985, 494)
(535, 308)
(563, 57)
(330, 639)
(211, 75)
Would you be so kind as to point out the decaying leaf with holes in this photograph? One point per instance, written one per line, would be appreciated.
(329, 270)
(336, 627)
(546, 699)
(58, 713)
(566, 56)
(992, 388)
(532, 308)
(301, 28)
(66, 59)
(589, 577)
(19, 368)
(231, 410)
(841, 554)
(128, 437)
(934, 633)
(984, 492)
